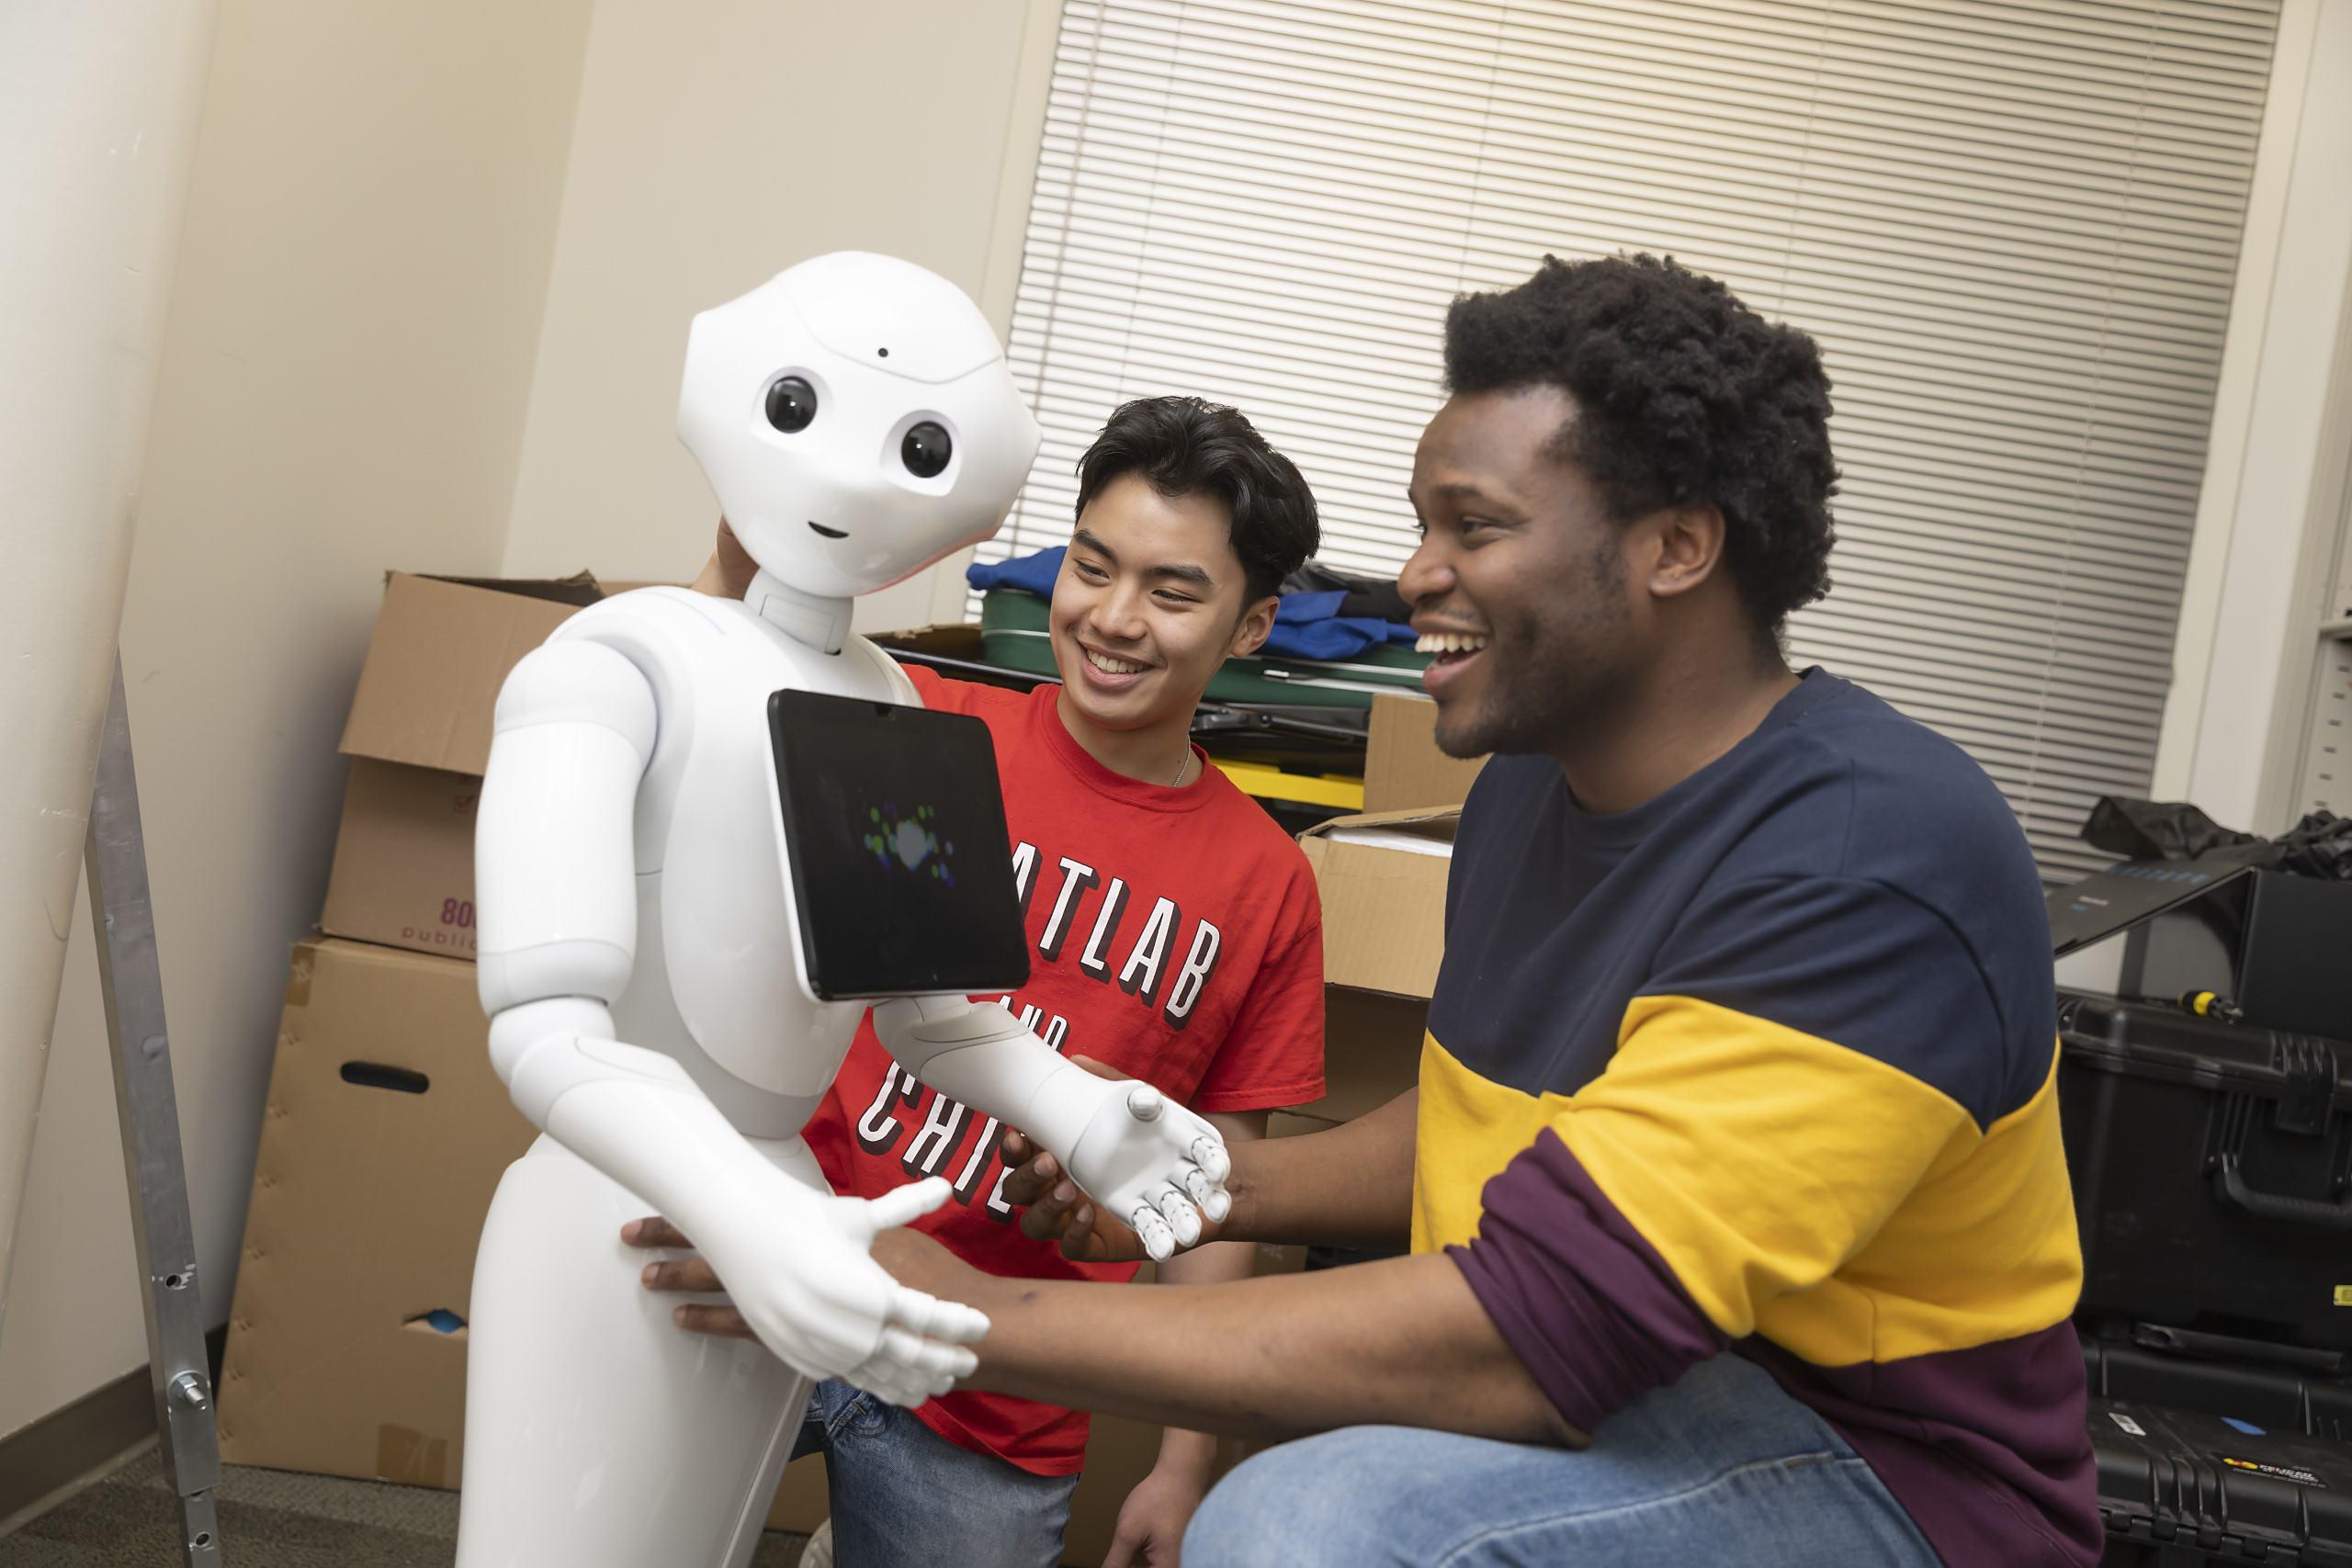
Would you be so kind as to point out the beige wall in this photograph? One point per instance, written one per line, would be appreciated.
(99, 124)
(2253, 599)
(712, 153)
(430, 311)
(353, 324)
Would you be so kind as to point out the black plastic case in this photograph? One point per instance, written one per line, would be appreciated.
(2184, 1485)
(2212, 1173)
(2311, 1403)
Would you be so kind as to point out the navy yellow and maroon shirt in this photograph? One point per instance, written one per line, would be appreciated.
(1767, 1065)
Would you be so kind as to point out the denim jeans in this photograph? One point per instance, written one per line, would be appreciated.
(1721, 1468)
(903, 1496)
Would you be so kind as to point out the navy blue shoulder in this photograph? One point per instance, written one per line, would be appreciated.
(1843, 871)
(1924, 866)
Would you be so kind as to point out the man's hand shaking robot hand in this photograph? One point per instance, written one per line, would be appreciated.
(638, 941)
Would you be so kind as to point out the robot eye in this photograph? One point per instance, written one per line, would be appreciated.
(792, 403)
(925, 450)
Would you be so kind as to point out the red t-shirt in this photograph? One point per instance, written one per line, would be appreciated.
(1175, 934)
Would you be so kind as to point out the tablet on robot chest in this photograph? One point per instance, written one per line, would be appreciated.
(903, 873)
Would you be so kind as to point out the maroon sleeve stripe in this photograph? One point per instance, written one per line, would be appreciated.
(1579, 1295)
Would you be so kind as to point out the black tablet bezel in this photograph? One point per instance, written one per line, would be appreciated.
(934, 745)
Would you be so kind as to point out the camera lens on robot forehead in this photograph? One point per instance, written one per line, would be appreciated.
(792, 404)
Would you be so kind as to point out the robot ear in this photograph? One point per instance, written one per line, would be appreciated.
(693, 396)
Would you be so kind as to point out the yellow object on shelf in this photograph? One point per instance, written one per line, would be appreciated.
(1309, 789)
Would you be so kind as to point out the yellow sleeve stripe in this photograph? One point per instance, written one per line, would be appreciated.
(1839, 1206)
(1469, 1128)
(1755, 1159)
(1985, 1249)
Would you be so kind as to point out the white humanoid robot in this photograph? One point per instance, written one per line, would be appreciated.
(637, 936)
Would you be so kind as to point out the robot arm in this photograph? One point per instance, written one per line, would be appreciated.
(1141, 1157)
(556, 895)
(554, 841)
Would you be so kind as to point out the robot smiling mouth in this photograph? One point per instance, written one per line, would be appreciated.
(828, 533)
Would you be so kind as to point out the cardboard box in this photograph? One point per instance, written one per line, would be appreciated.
(802, 1500)
(1403, 769)
(949, 640)
(384, 1138)
(1382, 876)
(418, 739)
(1372, 1052)
(1383, 880)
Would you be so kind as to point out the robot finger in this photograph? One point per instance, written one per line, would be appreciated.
(909, 1365)
(1181, 1217)
(910, 1388)
(1158, 1241)
(904, 1205)
(888, 1384)
(1212, 1200)
(934, 1364)
(881, 1375)
(1210, 1156)
(1144, 1103)
(952, 1322)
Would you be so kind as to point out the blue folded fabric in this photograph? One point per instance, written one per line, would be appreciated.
(1031, 574)
(1306, 626)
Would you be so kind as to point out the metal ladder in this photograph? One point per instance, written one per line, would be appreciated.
(115, 855)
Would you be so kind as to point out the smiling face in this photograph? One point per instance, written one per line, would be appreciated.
(1150, 602)
(856, 419)
(1520, 585)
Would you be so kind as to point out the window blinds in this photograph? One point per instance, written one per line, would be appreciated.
(2012, 227)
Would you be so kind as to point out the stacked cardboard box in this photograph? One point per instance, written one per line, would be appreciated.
(384, 1136)
(1382, 875)
(418, 739)
(1403, 769)
(386, 1130)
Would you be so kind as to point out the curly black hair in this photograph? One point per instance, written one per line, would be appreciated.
(1192, 446)
(1683, 394)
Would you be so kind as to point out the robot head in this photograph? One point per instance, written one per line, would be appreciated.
(857, 420)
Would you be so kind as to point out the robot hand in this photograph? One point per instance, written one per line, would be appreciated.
(800, 1273)
(1141, 1158)
(1153, 1164)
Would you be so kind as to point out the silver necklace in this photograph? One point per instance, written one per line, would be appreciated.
(1182, 766)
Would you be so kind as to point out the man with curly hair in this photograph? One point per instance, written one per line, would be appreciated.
(1739, 1222)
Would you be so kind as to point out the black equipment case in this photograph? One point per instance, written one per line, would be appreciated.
(2212, 1172)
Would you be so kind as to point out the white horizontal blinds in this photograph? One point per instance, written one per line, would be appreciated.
(2011, 226)
(2013, 233)
(1265, 205)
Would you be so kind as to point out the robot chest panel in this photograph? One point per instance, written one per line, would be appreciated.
(729, 926)
(724, 776)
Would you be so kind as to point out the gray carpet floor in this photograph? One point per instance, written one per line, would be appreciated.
(269, 1519)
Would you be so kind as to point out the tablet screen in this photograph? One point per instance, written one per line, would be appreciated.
(902, 869)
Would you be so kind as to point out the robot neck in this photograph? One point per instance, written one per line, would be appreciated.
(821, 624)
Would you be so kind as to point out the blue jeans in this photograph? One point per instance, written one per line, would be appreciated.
(1721, 1468)
(904, 1496)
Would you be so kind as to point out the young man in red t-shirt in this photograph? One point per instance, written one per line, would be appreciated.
(1176, 936)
